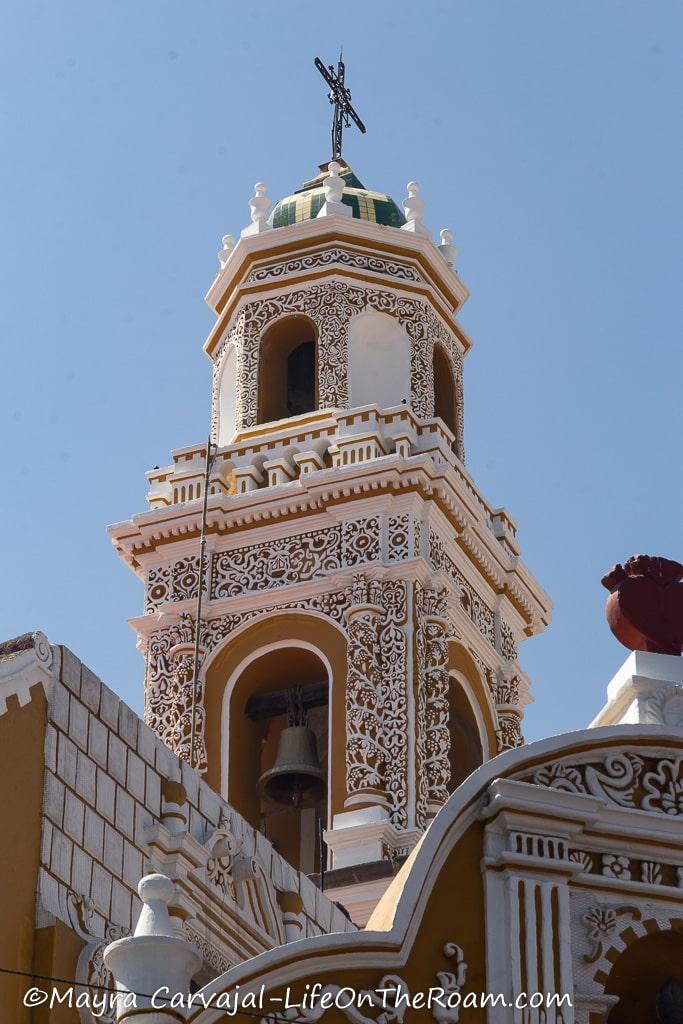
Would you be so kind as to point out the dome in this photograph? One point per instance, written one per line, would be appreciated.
(306, 202)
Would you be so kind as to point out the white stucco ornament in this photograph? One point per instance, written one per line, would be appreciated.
(333, 187)
(153, 965)
(446, 248)
(259, 204)
(413, 206)
(228, 246)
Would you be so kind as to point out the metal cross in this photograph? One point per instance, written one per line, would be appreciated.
(340, 97)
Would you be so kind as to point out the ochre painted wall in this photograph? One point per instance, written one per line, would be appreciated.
(22, 764)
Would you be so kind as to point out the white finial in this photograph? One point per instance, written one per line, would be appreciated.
(447, 249)
(333, 183)
(228, 246)
(156, 892)
(259, 205)
(153, 958)
(333, 186)
(413, 205)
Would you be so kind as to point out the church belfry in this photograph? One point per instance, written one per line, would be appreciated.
(356, 583)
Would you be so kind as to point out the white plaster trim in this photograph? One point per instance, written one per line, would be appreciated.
(20, 672)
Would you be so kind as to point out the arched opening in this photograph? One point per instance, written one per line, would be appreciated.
(444, 388)
(472, 724)
(260, 709)
(648, 979)
(379, 361)
(466, 753)
(287, 370)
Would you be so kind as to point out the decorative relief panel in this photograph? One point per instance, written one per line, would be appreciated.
(480, 614)
(366, 756)
(508, 647)
(433, 739)
(376, 697)
(506, 697)
(269, 565)
(665, 707)
(295, 559)
(626, 779)
(356, 260)
(398, 537)
(619, 866)
(394, 653)
(177, 582)
(331, 306)
(275, 563)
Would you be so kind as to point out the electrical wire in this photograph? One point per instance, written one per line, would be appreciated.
(72, 982)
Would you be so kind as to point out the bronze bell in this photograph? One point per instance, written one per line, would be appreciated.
(296, 779)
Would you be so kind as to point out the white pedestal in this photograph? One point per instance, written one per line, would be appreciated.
(647, 690)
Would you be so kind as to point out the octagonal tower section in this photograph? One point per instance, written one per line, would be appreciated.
(352, 568)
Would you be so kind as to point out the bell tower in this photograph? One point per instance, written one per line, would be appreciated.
(356, 585)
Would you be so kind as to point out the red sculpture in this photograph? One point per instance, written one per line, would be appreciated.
(645, 606)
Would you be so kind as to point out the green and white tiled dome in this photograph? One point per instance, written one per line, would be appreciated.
(306, 202)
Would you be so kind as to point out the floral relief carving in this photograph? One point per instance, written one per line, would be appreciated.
(176, 582)
(603, 925)
(664, 787)
(615, 866)
(665, 707)
(506, 697)
(627, 779)
(509, 732)
(473, 606)
(651, 872)
(331, 305)
(294, 559)
(376, 698)
(91, 973)
(394, 654)
(583, 858)
(275, 563)
(212, 957)
(433, 738)
(357, 260)
(223, 847)
(508, 647)
(398, 537)
(366, 755)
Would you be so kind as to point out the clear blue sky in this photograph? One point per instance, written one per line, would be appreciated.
(546, 134)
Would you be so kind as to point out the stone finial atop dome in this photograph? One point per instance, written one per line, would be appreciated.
(333, 187)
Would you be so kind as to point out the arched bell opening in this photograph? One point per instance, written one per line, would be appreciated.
(278, 751)
(648, 979)
(445, 401)
(288, 370)
(466, 751)
(471, 719)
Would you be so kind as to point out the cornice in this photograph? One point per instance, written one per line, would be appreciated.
(325, 494)
(314, 234)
